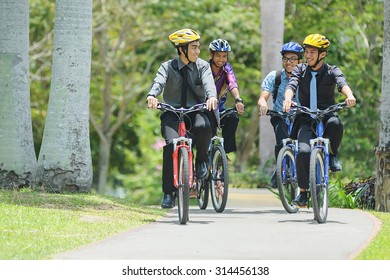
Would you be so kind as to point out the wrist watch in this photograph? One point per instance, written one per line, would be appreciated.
(238, 99)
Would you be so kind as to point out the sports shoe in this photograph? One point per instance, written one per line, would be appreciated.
(168, 201)
(201, 170)
(334, 164)
(300, 200)
(273, 180)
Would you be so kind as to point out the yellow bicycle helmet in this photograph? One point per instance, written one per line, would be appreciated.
(317, 41)
(183, 37)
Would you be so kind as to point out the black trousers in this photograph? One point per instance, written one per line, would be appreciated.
(229, 124)
(281, 132)
(333, 130)
(200, 131)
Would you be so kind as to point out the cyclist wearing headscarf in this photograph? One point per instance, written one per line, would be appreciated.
(225, 81)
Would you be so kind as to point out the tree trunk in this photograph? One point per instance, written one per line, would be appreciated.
(104, 163)
(247, 142)
(272, 30)
(64, 162)
(17, 154)
(382, 187)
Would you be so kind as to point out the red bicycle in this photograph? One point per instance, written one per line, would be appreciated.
(183, 171)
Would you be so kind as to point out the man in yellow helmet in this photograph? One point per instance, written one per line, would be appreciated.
(198, 87)
(325, 79)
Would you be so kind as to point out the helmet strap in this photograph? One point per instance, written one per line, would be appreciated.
(185, 52)
(318, 59)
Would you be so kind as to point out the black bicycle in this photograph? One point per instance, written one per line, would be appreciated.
(218, 180)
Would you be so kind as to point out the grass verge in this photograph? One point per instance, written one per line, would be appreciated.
(379, 247)
(36, 225)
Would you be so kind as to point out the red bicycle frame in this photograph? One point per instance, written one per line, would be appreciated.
(181, 142)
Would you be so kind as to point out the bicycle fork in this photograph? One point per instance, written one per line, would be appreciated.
(178, 143)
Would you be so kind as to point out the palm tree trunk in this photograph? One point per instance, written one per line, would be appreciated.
(64, 162)
(17, 154)
(382, 187)
(272, 30)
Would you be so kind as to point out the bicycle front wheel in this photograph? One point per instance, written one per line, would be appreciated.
(203, 187)
(318, 185)
(183, 195)
(286, 178)
(219, 179)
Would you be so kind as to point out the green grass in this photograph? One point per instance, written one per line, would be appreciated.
(379, 247)
(36, 225)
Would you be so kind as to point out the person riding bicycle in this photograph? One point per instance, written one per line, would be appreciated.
(185, 81)
(317, 81)
(225, 81)
(275, 84)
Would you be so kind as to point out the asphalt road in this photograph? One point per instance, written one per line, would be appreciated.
(254, 226)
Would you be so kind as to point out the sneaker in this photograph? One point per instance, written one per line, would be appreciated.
(273, 181)
(334, 164)
(300, 200)
(168, 201)
(201, 170)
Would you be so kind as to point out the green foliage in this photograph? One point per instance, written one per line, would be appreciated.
(356, 194)
(354, 28)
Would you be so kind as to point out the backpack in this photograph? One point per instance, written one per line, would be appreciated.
(278, 79)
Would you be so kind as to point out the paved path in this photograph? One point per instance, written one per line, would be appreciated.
(254, 225)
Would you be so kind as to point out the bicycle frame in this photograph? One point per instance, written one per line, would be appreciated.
(293, 144)
(320, 142)
(183, 141)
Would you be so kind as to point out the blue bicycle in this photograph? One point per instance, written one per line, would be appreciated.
(286, 175)
(319, 162)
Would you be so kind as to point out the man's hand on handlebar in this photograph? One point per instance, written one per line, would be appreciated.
(152, 102)
(212, 103)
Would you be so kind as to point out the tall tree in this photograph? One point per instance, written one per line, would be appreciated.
(272, 30)
(17, 155)
(119, 42)
(64, 162)
(382, 188)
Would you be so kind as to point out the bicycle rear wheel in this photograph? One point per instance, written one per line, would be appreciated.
(219, 179)
(183, 195)
(286, 178)
(318, 185)
(203, 187)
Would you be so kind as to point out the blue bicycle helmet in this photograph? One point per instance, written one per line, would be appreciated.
(292, 47)
(219, 45)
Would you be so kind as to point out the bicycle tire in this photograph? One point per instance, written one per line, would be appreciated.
(219, 181)
(183, 195)
(286, 179)
(318, 186)
(203, 187)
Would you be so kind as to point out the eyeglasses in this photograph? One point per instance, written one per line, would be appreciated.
(291, 59)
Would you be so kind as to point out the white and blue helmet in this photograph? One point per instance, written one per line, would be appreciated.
(219, 45)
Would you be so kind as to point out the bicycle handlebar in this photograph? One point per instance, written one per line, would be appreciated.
(166, 107)
(321, 113)
(273, 113)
